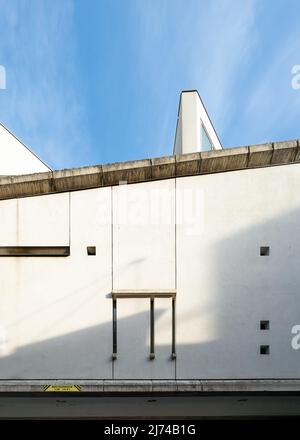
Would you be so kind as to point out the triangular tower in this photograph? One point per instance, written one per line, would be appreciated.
(195, 131)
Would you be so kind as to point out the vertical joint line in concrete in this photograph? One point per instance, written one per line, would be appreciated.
(114, 305)
(70, 220)
(273, 150)
(174, 299)
(112, 239)
(175, 230)
(248, 157)
(296, 150)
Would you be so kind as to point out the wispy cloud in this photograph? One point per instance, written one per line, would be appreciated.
(100, 80)
(274, 106)
(42, 103)
(228, 39)
(193, 45)
(239, 55)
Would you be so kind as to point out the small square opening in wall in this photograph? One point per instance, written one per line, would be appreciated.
(91, 250)
(265, 325)
(264, 251)
(264, 349)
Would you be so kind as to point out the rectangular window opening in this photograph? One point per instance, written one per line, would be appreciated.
(264, 349)
(265, 325)
(91, 250)
(205, 140)
(264, 251)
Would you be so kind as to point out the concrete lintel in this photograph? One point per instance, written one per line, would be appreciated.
(224, 160)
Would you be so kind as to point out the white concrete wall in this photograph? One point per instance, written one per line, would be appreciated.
(225, 287)
(16, 158)
(56, 313)
(144, 258)
(49, 226)
(144, 235)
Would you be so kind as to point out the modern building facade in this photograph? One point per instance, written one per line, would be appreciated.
(170, 274)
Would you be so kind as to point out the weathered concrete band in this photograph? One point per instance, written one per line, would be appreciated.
(155, 386)
(230, 159)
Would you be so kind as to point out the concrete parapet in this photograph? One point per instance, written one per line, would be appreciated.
(230, 159)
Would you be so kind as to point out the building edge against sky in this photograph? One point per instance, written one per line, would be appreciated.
(16, 157)
(194, 130)
(194, 133)
(213, 265)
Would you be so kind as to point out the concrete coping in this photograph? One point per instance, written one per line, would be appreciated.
(208, 162)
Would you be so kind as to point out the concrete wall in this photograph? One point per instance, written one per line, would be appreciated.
(56, 313)
(225, 287)
(144, 258)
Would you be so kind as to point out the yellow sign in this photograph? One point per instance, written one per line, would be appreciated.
(61, 388)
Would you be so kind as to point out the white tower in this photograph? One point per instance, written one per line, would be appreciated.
(195, 131)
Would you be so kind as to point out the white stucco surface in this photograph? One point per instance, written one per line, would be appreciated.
(56, 313)
(16, 158)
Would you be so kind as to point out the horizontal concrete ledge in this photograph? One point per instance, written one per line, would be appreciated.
(144, 293)
(228, 159)
(34, 251)
(151, 386)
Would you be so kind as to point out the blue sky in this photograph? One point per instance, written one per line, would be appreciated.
(97, 81)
